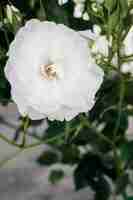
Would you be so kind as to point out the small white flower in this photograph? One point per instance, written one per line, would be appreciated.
(79, 1)
(62, 2)
(129, 132)
(131, 12)
(12, 12)
(9, 13)
(51, 72)
(14, 9)
(130, 2)
(86, 16)
(99, 44)
(127, 67)
(128, 50)
(94, 7)
(78, 10)
(128, 47)
(97, 29)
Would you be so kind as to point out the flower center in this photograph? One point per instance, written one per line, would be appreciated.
(49, 71)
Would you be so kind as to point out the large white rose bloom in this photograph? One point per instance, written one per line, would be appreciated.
(51, 72)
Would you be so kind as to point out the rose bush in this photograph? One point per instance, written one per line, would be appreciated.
(71, 62)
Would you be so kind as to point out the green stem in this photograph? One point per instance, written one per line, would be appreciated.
(127, 57)
(21, 149)
(118, 164)
(109, 64)
(124, 60)
(122, 92)
(25, 127)
(77, 131)
(47, 141)
(101, 136)
(5, 139)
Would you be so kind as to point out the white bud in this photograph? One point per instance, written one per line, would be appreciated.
(78, 10)
(9, 13)
(62, 2)
(94, 7)
(97, 29)
(86, 16)
(130, 2)
(131, 12)
(14, 9)
(79, 1)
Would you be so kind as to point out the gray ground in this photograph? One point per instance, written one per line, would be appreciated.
(28, 184)
(21, 178)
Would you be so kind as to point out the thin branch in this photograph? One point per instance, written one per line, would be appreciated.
(11, 142)
(25, 127)
(21, 149)
(47, 141)
(100, 135)
(122, 92)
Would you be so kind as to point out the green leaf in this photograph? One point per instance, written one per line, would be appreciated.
(41, 13)
(90, 168)
(110, 4)
(127, 151)
(123, 8)
(55, 128)
(89, 172)
(56, 13)
(5, 96)
(122, 183)
(128, 91)
(48, 158)
(70, 154)
(102, 189)
(125, 197)
(114, 20)
(56, 176)
(129, 198)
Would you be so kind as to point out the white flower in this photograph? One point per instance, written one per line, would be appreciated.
(128, 50)
(9, 13)
(99, 44)
(62, 2)
(78, 10)
(94, 7)
(79, 1)
(51, 71)
(127, 67)
(128, 47)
